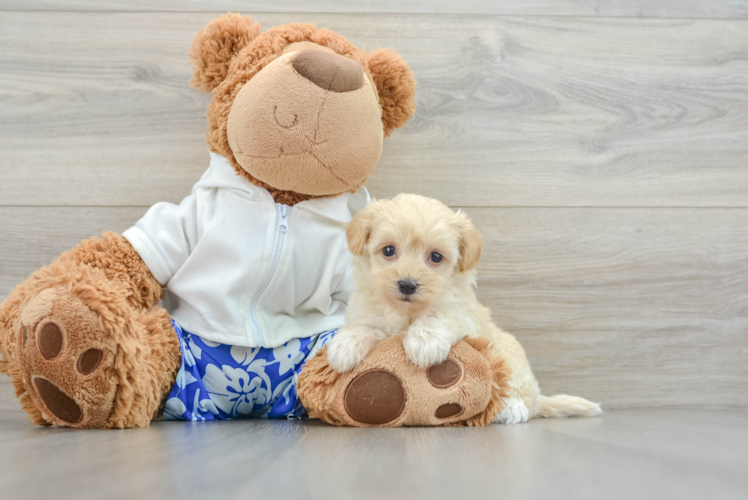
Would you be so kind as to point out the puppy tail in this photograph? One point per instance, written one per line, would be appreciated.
(562, 405)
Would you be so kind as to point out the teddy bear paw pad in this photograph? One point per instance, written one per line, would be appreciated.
(57, 402)
(445, 374)
(375, 397)
(50, 341)
(448, 410)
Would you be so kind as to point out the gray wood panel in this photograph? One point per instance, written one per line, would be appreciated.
(514, 111)
(631, 307)
(616, 8)
(34, 237)
(642, 454)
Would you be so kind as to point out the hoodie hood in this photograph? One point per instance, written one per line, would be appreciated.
(221, 174)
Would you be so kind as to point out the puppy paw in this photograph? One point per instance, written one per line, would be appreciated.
(346, 350)
(515, 412)
(427, 347)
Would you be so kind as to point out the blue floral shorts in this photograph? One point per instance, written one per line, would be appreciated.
(222, 382)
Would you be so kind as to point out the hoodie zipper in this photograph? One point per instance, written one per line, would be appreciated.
(281, 226)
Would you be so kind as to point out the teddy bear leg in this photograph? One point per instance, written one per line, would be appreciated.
(158, 368)
(386, 389)
(82, 356)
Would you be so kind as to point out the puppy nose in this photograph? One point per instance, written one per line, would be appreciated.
(329, 71)
(408, 287)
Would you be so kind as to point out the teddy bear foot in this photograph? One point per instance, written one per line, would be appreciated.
(388, 390)
(66, 359)
(84, 357)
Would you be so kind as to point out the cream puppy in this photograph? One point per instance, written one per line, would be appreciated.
(414, 268)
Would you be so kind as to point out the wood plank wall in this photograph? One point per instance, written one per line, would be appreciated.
(601, 147)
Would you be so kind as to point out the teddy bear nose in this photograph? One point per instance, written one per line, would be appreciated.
(329, 71)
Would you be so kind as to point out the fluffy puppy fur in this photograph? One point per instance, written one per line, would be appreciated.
(414, 267)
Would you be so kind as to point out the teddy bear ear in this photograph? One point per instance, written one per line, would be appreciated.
(215, 45)
(396, 87)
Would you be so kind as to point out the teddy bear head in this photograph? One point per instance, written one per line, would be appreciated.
(298, 110)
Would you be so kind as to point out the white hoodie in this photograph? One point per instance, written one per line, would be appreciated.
(243, 270)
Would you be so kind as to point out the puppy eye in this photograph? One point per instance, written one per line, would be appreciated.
(388, 251)
(436, 257)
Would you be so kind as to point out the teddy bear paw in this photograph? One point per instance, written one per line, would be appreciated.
(387, 389)
(66, 358)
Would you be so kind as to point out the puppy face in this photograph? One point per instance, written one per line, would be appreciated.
(409, 250)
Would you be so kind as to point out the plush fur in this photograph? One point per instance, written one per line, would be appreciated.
(442, 311)
(395, 82)
(215, 46)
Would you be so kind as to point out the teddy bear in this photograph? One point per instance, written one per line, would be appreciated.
(252, 266)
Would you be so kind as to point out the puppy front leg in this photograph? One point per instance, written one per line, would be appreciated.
(515, 412)
(429, 340)
(350, 345)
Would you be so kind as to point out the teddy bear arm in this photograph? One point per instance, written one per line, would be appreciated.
(111, 254)
(119, 261)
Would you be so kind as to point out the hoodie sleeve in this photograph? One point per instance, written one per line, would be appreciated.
(165, 237)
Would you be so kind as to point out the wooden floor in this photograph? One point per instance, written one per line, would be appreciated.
(625, 454)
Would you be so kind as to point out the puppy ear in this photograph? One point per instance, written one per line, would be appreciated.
(215, 45)
(471, 244)
(396, 87)
(357, 232)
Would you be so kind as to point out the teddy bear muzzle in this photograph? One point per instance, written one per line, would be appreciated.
(308, 122)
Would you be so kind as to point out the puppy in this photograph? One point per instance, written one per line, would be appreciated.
(414, 267)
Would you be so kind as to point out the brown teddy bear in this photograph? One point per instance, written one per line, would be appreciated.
(253, 265)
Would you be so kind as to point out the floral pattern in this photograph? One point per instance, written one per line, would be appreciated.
(221, 382)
